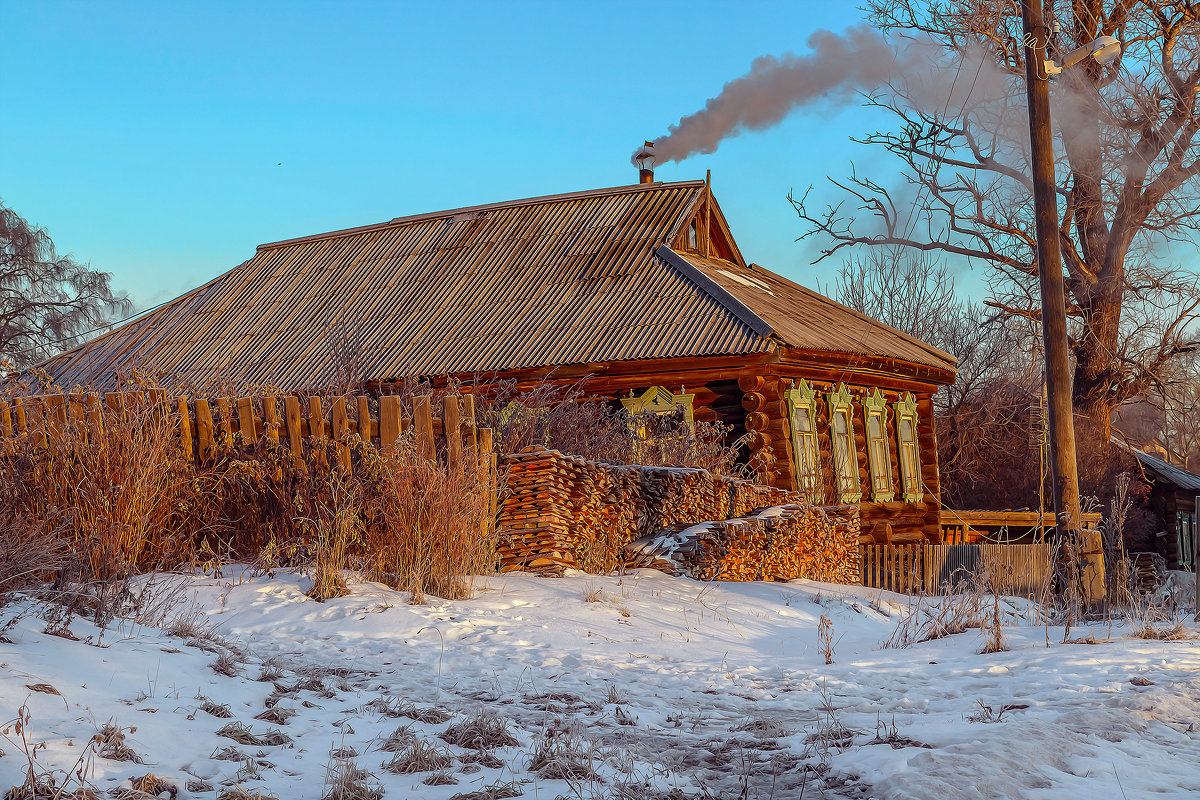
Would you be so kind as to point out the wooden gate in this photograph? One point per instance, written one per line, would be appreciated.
(1015, 569)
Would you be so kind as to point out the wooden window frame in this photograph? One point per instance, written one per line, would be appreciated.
(845, 463)
(659, 400)
(906, 408)
(879, 449)
(805, 446)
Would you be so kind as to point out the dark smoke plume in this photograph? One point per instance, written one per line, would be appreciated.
(838, 65)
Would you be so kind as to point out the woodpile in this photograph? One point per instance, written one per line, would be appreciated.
(563, 511)
(775, 544)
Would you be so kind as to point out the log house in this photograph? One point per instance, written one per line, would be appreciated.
(639, 290)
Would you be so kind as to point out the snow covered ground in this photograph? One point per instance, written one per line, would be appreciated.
(645, 686)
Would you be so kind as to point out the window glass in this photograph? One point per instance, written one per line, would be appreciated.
(908, 449)
(844, 452)
(879, 453)
(805, 447)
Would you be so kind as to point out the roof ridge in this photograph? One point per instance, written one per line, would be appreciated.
(744, 313)
(529, 201)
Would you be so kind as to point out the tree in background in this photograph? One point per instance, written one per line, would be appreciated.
(48, 302)
(1128, 159)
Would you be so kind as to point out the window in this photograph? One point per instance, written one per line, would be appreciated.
(909, 451)
(879, 453)
(657, 400)
(1183, 525)
(802, 410)
(845, 456)
(692, 237)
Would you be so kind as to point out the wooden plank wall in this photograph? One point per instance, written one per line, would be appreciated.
(1023, 569)
(202, 425)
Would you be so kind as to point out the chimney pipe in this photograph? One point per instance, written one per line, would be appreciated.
(644, 158)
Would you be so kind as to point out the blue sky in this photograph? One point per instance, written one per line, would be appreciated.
(163, 141)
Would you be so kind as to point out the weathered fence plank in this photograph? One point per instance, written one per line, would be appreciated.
(1018, 569)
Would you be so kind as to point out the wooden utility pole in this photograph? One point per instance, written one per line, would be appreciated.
(1064, 474)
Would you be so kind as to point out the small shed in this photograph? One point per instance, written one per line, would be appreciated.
(1172, 507)
(639, 291)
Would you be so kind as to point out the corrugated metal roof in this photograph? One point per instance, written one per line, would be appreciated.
(549, 281)
(1169, 473)
(804, 319)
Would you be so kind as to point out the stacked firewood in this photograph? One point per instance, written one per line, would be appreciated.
(780, 543)
(564, 511)
(534, 514)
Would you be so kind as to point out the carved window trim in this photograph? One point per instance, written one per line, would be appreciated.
(806, 450)
(879, 450)
(845, 451)
(908, 448)
(658, 400)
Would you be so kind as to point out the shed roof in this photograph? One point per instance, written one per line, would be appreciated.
(1161, 470)
(569, 279)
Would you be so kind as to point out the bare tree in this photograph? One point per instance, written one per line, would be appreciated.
(1126, 141)
(48, 302)
(1181, 413)
(914, 292)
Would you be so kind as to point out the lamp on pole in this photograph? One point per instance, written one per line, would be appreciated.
(1063, 467)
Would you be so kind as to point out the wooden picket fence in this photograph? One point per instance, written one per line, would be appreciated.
(203, 425)
(1022, 569)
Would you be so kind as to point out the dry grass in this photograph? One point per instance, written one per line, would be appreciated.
(500, 790)
(563, 757)
(122, 502)
(110, 744)
(277, 715)
(484, 731)
(394, 707)
(345, 780)
(218, 710)
(238, 793)
(85, 507)
(419, 756)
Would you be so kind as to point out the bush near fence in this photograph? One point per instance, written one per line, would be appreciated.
(564, 512)
(139, 480)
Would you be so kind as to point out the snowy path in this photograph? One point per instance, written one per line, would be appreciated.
(719, 689)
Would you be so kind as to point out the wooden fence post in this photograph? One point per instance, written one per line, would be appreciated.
(225, 409)
(487, 474)
(55, 407)
(158, 400)
(316, 430)
(185, 429)
(247, 423)
(94, 418)
(389, 423)
(470, 427)
(204, 429)
(292, 417)
(270, 418)
(76, 413)
(452, 430)
(19, 416)
(364, 419)
(423, 419)
(115, 403)
(6, 428)
(339, 427)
